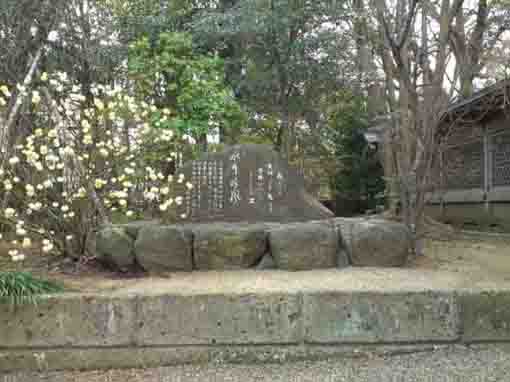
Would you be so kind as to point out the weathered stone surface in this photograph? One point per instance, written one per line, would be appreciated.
(219, 319)
(164, 248)
(115, 247)
(486, 316)
(267, 262)
(69, 320)
(343, 317)
(133, 228)
(228, 246)
(304, 246)
(374, 242)
(248, 183)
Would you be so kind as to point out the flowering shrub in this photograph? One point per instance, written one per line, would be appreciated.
(97, 155)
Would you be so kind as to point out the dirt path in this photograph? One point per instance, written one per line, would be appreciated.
(476, 260)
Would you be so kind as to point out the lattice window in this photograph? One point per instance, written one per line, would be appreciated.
(464, 166)
(501, 160)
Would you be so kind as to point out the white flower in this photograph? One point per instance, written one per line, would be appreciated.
(2, 102)
(129, 170)
(47, 183)
(64, 208)
(81, 192)
(69, 237)
(9, 212)
(27, 243)
(189, 186)
(99, 183)
(17, 258)
(35, 206)
(183, 216)
(123, 202)
(21, 231)
(163, 207)
(178, 200)
(103, 152)
(85, 125)
(13, 161)
(44, 77)
(47, 248)
(87, 139)
(68, 150)
(5, 90)
(129, 213)
(149, 195)
(30, 190)
(36, 97)
(165, 190)
(7, 185)
(99, 104)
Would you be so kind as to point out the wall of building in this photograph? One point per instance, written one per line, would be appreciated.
(474, 185)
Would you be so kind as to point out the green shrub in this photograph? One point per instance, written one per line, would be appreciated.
(21, 287)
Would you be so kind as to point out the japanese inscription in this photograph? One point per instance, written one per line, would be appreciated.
(235, 192)
(246, 183)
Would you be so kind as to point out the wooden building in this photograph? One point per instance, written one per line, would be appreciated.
(474, 175)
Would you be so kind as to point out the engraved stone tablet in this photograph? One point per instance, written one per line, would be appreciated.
(247, 183)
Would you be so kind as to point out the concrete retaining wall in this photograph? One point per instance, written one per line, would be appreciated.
(292, 320)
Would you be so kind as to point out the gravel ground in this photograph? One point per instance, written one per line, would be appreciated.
(487, 363)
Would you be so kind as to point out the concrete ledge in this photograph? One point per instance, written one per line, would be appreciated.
(254, 317)
(486, 316)
(218, 319)
(380, 318)
(69, 320)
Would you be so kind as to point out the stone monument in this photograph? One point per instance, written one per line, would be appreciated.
(249, 209)
(249, 183)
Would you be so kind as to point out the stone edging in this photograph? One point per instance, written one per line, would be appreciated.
(296, 246)
(89, 331)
